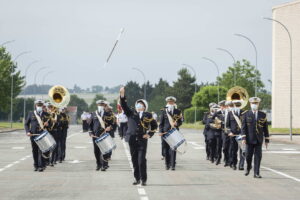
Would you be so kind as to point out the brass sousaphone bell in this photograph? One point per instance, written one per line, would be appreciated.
(59, 96)
(238, 93)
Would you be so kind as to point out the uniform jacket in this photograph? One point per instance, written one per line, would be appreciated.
(32, 125)
(231, 124)
(164, 125)
(95, 127)
(254, 130)
(138, 126)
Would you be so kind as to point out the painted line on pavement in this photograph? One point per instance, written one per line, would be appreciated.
(281, 173)
(141, 190)
(24, 158)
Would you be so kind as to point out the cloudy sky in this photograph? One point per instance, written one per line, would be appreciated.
(74, 37)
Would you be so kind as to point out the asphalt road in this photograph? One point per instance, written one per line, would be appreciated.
(194, 178)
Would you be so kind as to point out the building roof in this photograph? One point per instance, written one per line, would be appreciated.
(286, 4)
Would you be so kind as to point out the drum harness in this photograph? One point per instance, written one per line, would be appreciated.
(102, 125)
(42, 127)
(172, 123)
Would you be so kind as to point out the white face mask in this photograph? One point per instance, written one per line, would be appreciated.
(39, 109)
(254, 107)
(100, 108)
(170, 107)
(139, 107)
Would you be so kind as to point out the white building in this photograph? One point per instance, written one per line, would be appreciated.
(289, 15)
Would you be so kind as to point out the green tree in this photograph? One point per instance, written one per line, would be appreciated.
(266, 100)
(184, 88)
(80, 103)
(208, 94)
(160, 91)
(245, 77)
(133, 92)
(93, 105)
(8, 70)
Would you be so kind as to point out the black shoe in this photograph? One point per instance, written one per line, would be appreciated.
(136, 182)
(98, 168)
(241, 168)
(103, 169)
(52, 165)
(60, 161)
(167, 167)
(226, 165)
(144, 183)
(218, 162)
(231, 165)
(35, 169)
(247, 172)
(234, 167)
(106, 167)
(257, 176)
(41, 169)
(212, 160)
(173, 168)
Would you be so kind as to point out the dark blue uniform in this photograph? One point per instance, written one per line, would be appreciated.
(218, 134)
(254, 131)
(164, 126)
(137, 128)
(97, 130)
(32, 126)
(233, 127)
(204, 121)
(65, 127)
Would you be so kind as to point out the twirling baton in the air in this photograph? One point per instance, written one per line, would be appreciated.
(115, 45)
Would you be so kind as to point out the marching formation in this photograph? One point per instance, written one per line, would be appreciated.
(238, 133)
(230, 131)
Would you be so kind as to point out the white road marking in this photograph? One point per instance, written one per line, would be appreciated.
(16, 148)
(75, 161)
(281, 173)
(283, 152)
(25, 157)
(141, 190)
(14, 163)
(198, 147)
(289, 149)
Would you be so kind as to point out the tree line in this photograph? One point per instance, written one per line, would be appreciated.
(183, 88)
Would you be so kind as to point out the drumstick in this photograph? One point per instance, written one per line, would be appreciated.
(115, 45)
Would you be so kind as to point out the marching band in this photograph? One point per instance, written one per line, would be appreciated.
(229, 131)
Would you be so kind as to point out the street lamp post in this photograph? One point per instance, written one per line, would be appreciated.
(217, 67)
(192, 68)
(26, 71)
(43, 81)
(12, 85)
(7, 42)
(143, 74)
(291, 73)
(35, 76)
(255, 49)
(234, 61)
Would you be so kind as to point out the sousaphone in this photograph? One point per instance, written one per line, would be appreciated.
(59, 96)
(238, 93)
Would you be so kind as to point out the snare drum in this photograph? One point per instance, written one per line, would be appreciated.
(105, 143)
(45, 142)
(174, 138)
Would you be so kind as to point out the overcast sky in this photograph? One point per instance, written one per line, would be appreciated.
(74, 37)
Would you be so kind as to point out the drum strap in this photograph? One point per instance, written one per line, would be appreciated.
(39, 120)
(238, 121)
(171, 121)
(100, 120)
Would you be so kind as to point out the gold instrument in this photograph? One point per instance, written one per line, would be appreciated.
(238, 93)
(217, 124)
(59, 96)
